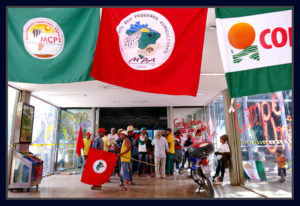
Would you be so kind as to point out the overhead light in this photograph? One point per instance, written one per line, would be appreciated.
(212, 74)
(49, 94)
(112, 87)
(141, 101)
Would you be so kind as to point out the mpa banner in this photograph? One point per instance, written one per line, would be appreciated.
(256, 49)
(155, 50)
(51, 45)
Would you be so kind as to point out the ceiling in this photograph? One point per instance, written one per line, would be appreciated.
(99, 94)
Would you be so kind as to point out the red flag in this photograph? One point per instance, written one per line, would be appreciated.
(99, 167)
(80, 144)
(157, 50)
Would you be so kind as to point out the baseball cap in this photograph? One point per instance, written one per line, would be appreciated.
(87, 133)
(101, 130)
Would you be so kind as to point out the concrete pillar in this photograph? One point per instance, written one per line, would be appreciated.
(97, 122)
(170, 112)
(93, 118)
(235, 167)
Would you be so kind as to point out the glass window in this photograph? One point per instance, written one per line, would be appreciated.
(12, 95)
(214, 125)
(69, 125)
(44, 133)
(265, 125)
(187, 120)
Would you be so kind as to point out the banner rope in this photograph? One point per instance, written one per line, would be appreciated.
(141, 161)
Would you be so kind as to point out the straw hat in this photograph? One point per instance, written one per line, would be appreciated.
(119, 131)
(130, 128)
(124, 132)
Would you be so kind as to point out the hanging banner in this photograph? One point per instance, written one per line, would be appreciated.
(155, 50)
(51, 45)
(251, 170)
(256, 49)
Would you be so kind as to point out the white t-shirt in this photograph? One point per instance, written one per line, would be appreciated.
(112, 138)
(183, 139)
(142, 147)
(223, 148)
(160, 147)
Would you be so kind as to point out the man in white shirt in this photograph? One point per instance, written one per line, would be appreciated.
(161, 147)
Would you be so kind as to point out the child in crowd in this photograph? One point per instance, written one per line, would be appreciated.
(281, 161)
(222, 156)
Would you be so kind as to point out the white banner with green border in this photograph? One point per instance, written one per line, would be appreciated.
(256, 49)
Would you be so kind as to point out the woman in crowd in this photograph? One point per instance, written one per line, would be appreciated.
(161, 147)
(198, 137)
(178, 151)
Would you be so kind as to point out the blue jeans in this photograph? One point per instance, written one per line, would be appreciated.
(125, 172)
(178, 165)
(146, 157)
(220, 168)
(130, 172)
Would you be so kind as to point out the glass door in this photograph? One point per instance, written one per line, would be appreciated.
(66, 157)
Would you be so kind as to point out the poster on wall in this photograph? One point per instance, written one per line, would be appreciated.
(251, 170)
(26, 124)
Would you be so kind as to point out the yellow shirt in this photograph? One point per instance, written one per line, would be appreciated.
(87, 144)
(125, 157)
(170, 140)
(106, 143)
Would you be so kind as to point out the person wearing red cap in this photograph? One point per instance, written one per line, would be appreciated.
(87, 144)
(98, 144)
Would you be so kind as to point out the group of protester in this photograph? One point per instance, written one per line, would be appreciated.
(136, 150)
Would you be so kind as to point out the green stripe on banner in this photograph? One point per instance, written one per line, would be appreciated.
(240, 12)
(260, 80)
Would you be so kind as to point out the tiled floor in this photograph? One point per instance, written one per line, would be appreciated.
(175, 187)
(273, 188)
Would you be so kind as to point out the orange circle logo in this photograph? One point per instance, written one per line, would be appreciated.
(241, 35)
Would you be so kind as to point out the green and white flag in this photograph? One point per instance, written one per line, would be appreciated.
(256, 49)
(51, 45)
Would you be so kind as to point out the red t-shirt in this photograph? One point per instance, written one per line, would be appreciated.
(177, 140)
